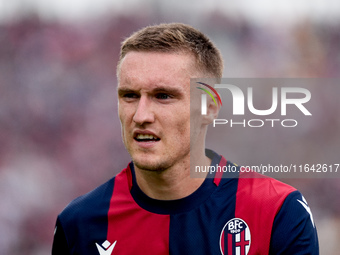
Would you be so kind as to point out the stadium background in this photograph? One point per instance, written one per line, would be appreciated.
(59, 130)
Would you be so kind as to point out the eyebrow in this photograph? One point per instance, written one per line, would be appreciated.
(174, 91)
(122, 91)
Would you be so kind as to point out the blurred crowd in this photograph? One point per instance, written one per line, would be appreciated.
(59, 129)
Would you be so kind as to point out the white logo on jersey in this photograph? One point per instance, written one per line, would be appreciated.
(106, 249)
(305, 205)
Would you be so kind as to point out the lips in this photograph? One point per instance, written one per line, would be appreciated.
(145, 137)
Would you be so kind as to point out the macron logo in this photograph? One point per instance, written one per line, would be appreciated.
(305, 205)
(106, 248)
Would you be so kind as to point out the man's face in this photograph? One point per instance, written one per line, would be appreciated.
(154, 108)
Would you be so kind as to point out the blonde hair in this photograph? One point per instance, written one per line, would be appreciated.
(176, 37)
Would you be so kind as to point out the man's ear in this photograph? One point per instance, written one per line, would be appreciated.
(212, 111)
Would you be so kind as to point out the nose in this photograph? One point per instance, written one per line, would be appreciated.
(144, 111)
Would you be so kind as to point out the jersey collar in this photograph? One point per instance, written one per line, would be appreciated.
(180, 205)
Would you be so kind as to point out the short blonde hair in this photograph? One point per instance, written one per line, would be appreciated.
(176, 37)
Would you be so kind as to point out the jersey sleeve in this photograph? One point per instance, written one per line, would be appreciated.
(60, 246)
(294, 230)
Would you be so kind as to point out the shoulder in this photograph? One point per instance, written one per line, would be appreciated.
(262, 192)
(95, 203)
(264, 184)
(294, 230)
(82, 214)
(259, 188)
(82, 206)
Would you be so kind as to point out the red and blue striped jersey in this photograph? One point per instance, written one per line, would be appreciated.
(225, 215)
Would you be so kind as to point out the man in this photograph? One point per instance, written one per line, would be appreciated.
(154, 206)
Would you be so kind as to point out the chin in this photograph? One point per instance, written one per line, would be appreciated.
(150, 165)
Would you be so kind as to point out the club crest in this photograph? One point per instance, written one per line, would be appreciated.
(235, 238)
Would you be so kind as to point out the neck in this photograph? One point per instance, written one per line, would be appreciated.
(170, 184)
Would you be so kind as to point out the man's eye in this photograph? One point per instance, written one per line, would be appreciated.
(163, 96)
(130, 95)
